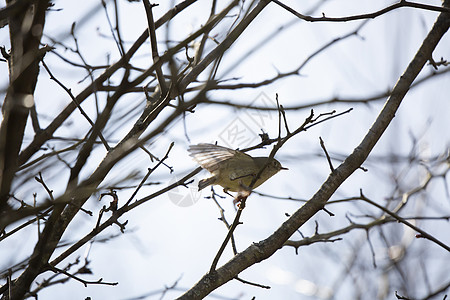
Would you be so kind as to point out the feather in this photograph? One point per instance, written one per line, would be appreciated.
(210, 156)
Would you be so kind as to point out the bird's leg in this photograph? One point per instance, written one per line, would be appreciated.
(225, 190)
(240, 200)
(242, 195)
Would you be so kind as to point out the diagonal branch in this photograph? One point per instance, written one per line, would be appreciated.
(222, 47)
(48, 132)
(24, 68)
(260, 251)
(69, 92)
(401, 3)
(154, 44)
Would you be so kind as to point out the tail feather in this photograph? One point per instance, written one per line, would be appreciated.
(205, 182)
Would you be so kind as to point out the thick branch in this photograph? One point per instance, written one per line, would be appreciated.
(24, 69)
(48, 132)
(264, 249)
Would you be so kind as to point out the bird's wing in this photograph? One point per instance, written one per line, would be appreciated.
(210, 156)
(241, 174)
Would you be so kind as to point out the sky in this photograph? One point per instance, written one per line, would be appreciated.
(174, 238)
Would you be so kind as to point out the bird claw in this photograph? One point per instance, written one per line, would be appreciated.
(239, 200)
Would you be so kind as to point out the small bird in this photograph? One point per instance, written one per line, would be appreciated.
(232, 169)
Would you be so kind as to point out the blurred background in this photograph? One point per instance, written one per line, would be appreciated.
(170, 241)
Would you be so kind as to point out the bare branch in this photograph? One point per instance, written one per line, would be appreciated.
(264, 249)
(401, 3)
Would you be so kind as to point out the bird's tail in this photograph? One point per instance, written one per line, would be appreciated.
(205, 182)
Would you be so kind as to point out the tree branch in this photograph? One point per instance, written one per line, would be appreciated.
(401, 3)
(262, 250)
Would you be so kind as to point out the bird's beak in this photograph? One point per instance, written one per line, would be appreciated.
(283, 168)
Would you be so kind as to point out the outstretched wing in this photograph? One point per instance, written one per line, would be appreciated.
(210, 156)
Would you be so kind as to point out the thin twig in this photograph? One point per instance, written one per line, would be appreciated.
(236, 222)
(149, 172)
(242, 198)
(69, 92)
(122, 210)
(223, 218)
(401, 3)
(153, 157)
(119, 45)
(322, 144)
(41, 181)
(154, 45)
(85, 282)
(423, 234)
(252, 283)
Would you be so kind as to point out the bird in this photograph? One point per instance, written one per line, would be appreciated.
(232, 169)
